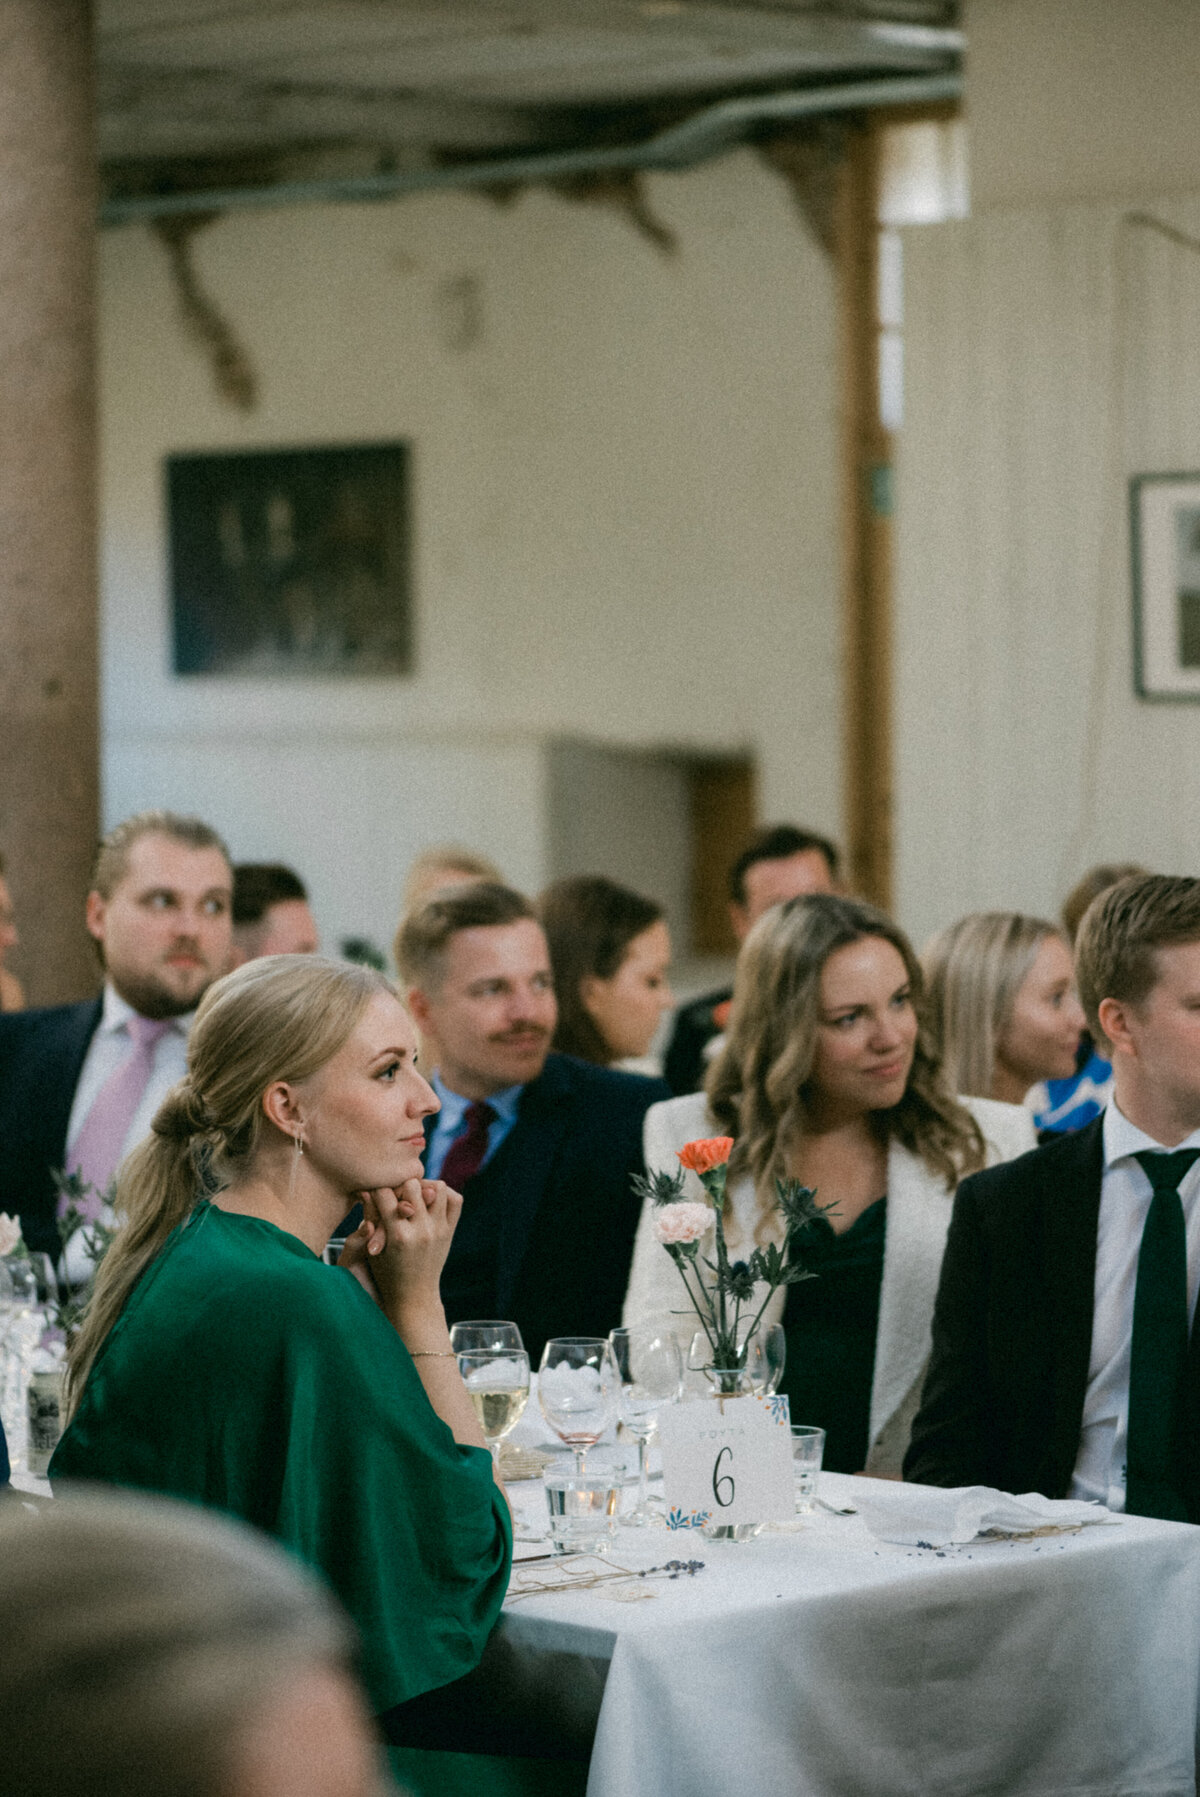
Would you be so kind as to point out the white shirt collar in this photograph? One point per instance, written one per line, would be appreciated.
(1123, 1138)
(116, 1012)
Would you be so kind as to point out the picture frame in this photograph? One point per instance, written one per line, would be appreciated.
(291, 563)
(1165, 552)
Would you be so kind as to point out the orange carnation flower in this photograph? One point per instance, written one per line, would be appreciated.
(703, 1156)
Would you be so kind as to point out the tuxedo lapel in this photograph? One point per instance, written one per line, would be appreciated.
(1070, 1201)
(525, 1159)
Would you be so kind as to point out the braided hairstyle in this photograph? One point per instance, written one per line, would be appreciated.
(279, 1018)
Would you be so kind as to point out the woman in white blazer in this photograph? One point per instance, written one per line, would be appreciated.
(827, 1076)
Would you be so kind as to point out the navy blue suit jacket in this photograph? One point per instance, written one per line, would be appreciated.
(41, 1056)
(562, 1178)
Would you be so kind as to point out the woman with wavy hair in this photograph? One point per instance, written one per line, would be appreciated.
(222, 1362)
(828, 1076)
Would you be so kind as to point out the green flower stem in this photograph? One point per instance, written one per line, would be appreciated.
(683, 1263)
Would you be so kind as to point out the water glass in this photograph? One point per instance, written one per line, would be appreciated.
(583, 1508)
(808, 1450)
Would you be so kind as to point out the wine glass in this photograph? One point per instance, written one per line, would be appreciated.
(498, 1387)
(774, 1341)
(488, 1337)
(577, 1390)
(651, 1369)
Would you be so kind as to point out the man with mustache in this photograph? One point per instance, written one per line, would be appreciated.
(80, 1083)
(541, 1146)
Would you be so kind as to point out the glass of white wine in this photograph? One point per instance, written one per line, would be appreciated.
(498, 1387)
(490, 1336)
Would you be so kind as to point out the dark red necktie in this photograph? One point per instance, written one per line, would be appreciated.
(466, 1152)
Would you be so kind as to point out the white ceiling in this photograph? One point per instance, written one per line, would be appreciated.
(212, 81)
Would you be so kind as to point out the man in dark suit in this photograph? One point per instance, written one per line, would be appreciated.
(543, 1147)
(780, 862)
(79, 1083)
(1063, 1356)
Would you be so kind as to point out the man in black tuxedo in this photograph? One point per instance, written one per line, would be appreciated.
(780, 862)
(159, 911)
(1063, 1357)
(542, 1146)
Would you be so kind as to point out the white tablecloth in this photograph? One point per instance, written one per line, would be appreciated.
(823, 1663)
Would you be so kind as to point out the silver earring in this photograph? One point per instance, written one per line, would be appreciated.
(299, 1142)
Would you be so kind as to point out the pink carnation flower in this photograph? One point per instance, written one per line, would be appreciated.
(682, 1222)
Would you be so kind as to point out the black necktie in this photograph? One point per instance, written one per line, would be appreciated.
(1154, 1458)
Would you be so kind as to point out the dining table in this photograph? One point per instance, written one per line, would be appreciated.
(816, 1660)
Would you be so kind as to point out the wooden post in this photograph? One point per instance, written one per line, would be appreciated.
(866, 530)
(49, 747)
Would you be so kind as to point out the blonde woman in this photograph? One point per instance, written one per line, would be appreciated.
(156, 1651)
(828, 1077)
(1003, 1010)
(223, 1363)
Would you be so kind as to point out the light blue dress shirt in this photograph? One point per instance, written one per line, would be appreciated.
(451, 1122)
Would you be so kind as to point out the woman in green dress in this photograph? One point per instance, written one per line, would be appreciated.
(222, 1362)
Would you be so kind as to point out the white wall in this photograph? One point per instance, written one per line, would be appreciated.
(626, 814)
(625, 514)
(1081, 99)
(1051, 354)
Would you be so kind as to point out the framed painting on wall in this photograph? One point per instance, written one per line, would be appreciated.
(291, 562)
(1165, 542)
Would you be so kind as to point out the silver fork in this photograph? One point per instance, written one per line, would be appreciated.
(836, 1509)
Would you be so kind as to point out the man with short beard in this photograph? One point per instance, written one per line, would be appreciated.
(541, 1146)
(80, 1083)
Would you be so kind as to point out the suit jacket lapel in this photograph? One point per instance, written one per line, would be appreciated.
(57, 1095)
(1071, 1212)
(523, 1164)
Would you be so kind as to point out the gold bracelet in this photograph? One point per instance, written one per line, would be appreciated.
(432, 1354)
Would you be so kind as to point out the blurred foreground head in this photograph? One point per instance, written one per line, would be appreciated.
(154, 1650)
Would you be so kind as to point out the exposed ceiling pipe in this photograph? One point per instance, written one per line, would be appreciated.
(705, 134)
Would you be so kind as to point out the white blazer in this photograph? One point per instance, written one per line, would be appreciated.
(918, 1216)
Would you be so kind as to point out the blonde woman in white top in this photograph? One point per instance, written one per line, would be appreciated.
(827, 1076)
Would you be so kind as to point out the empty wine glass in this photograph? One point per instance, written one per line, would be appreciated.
(487, 1337)
(577, 1390)
(774, 1341)
(651, 1369)
(498, 1387)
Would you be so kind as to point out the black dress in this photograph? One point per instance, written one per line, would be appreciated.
(830, 1323)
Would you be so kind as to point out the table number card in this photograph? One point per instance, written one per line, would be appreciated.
(728, 1460)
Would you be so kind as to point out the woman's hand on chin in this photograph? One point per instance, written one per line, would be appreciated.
(410, 1229)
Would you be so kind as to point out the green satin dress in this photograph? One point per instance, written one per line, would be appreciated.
(247, 1376)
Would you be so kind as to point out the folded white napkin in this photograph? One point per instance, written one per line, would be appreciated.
(929, 1516)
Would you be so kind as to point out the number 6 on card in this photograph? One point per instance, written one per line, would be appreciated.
(728, 1459)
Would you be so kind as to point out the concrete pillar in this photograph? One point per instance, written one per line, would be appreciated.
(49, 748)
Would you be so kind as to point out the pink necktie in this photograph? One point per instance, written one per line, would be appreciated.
(97, 1151)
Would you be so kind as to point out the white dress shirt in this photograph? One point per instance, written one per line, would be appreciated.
(1125, 1194)
(110, 1045)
